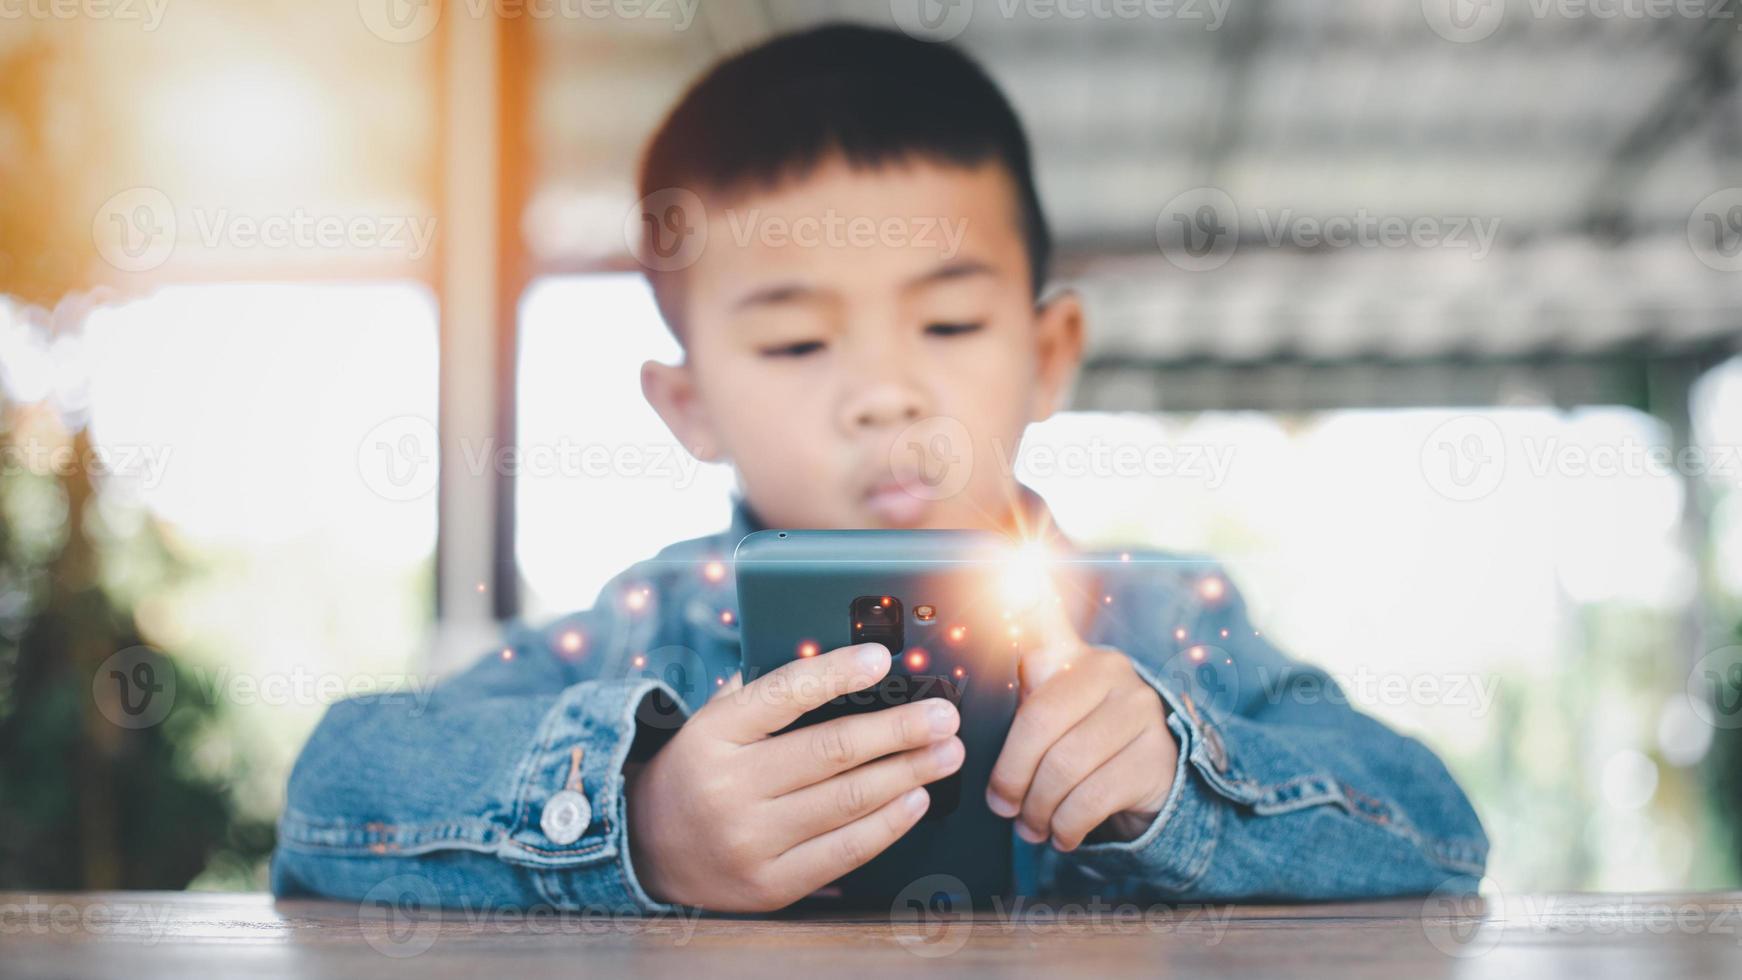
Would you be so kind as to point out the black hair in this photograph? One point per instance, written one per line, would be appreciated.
(875, 97)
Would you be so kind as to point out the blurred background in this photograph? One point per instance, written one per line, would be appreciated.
(1423, 315)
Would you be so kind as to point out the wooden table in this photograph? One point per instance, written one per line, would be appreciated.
(188, 935)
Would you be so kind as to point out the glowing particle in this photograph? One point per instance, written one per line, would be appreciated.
(1180, 633)
(726, 616)
(639, 661)
(571, 642)
(958, 633)
(636, 600)
(714, 571)
(1011, 685)
(1015, 630)
(1124, 556)
(886, 601)
(808, 648)
(1212, 588)
(719, 682)
(507, 653)
(1107, 599)
(917, 659)
(959, 672)
(480, 587)
(1224, 634)
(1197, 653)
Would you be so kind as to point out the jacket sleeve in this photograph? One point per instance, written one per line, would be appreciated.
(452, 797)
(1282, 790)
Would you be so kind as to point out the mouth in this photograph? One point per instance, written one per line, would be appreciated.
(892, 506)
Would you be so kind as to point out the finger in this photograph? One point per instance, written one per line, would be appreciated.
(1054, 645)
(1082, 750)
(836, 802)
(1042, 718)
(816, 752)
(777, 699)
(1118, 785)
(823, 858)
(733, 685)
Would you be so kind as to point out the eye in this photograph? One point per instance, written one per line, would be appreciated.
(951, 329)
(798, 349)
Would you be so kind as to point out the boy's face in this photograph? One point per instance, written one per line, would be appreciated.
(863, 347)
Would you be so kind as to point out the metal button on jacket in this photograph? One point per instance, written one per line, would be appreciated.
(565, 817)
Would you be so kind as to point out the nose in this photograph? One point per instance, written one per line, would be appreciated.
(883, 392)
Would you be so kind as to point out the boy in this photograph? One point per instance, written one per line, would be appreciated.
(1160, 748)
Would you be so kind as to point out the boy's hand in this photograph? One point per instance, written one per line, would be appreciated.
(1090, 744)
(730, 817)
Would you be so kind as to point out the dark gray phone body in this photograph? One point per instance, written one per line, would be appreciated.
(796, 592)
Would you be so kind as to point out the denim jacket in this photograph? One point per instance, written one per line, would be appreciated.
(504, 785)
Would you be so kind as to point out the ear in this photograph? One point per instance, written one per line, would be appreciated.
(671, 390)
(1058, 352)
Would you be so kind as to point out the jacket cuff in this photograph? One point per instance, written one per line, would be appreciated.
(569, 823)
(1174, 851)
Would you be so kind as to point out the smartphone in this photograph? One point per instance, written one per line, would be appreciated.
(935, 599)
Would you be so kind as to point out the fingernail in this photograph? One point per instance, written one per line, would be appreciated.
(942, 715)
(944, 754)
(1031, 836)
(1000, 805)
(916, 800)
(872, 656)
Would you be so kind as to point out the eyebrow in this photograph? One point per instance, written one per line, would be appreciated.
(793, 292)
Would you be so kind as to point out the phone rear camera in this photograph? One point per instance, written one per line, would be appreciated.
(877, 619)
